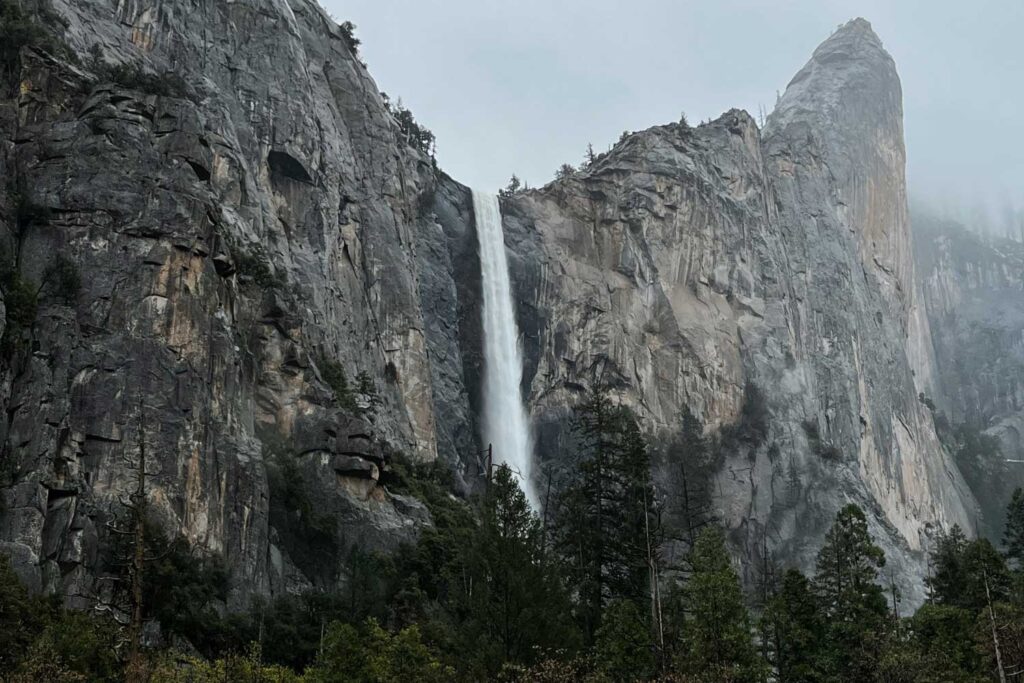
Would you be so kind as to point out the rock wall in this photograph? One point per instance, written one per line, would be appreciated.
(242, 235)
(697, 266)
(973, 291)
(236, 236)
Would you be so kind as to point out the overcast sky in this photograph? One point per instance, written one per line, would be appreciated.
(521, 86)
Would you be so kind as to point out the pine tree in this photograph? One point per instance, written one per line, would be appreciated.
(514, 185)
(718, 634)
(623, 649)
(792, 628)
(853, 603)
(690, 506)
(514, 603)
(605, 514)
(959, 568)
(1013, 535)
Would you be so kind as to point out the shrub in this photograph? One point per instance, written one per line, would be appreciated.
(415, 135)
(135, 77)
(822, 448)
(348, 34)
(334, 375)
(256, 267)
(366, 387)
(21, 302)
(307, 533)
(565, 171)
(22, 30)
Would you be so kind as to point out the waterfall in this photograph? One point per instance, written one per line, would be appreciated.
(506, 425)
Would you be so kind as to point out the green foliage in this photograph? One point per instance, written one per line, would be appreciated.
(565, 171)
(852, 602)
(76, 643)
(249, 667)
(514, 185)
(509, 601)
(39, 641)
(605, 510)
(334, 375)
(256, 268)
(366, 387)
(410, 131)
(624, 650)
(182, 589)
(718, 633)
(348, 34)
(792, 628)
(20, 616)
(483, 595)
(308, 533)
(370, 654)
(961, 569)
(1013, 535)
(690, 463)
(134, 76)
(21, 30)
(938, 632)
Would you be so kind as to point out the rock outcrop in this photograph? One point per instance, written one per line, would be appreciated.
(248, 224)
(243, 215)
(700, 267)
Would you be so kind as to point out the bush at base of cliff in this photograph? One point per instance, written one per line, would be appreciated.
(39, 641)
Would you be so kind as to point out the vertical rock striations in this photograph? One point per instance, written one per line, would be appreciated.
(732, 272)
(250, 227)
(252, 230)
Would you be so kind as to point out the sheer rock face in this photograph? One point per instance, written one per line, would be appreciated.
(232, 240)
(973, 291)
(696, 266)
(229, 242)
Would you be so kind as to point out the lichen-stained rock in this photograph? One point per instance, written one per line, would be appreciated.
(243, 215)
(714, 267)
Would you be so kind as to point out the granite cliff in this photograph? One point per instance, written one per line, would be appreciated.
(702, 266)
(266, 226)
(973, 292)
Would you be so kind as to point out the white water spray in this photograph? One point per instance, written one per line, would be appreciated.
(505, 425)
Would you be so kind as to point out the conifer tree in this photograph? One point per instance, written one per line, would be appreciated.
(688, 464)
(718, 634)
(514, 603)
(792, 628)
(851, 600)
(1013, 535)
(605, 513)
(624, 649)
(958, 570)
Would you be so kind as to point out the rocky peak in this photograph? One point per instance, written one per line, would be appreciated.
(844, 110)
(850, 79)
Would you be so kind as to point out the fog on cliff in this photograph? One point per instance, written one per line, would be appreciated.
(524, 86)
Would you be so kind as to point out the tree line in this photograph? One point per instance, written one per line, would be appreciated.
(616, 581)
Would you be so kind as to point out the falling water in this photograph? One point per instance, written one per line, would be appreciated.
(506, 426)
